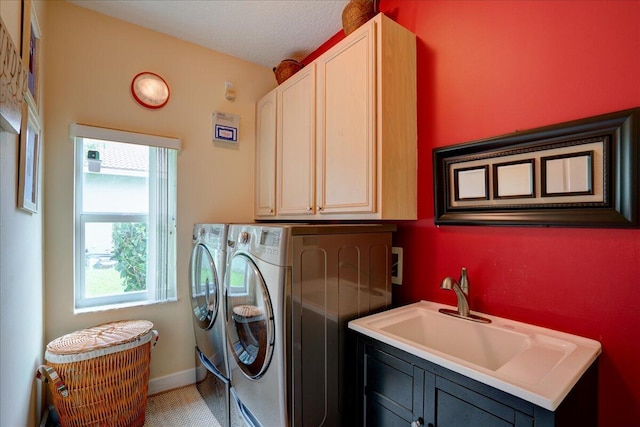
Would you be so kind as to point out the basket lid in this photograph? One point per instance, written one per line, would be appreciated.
(247, 310)
(100, 337)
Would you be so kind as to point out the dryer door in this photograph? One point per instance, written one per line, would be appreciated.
(204, 287)
(250, 329)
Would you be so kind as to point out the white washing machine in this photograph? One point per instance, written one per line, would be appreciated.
(206, 273)
(290, 291)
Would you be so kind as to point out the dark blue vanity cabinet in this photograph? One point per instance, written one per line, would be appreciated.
(400, 389)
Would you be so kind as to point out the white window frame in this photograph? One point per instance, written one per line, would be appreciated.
(154, 292)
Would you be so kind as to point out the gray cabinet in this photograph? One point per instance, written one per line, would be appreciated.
(400, 389)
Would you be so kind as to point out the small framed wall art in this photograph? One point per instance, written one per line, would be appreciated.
(582, 173)
(28, 174)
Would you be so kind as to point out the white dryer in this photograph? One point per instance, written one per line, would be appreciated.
(206, 273)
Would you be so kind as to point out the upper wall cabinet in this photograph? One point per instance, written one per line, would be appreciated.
(346, 131)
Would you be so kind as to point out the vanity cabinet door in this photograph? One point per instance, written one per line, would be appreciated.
(393, 390)
(450, 405)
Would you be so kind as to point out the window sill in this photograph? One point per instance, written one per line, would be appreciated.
(112, 307)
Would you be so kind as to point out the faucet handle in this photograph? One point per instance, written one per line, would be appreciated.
(464, 281)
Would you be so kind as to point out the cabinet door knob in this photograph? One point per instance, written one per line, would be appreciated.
(309, 208)
(418, 423)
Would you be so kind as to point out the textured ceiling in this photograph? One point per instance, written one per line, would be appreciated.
(259, 31)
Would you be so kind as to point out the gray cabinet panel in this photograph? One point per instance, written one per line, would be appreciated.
(451, 397)
(392, 390)
(379, 416)
(454, 412)
(391, 382)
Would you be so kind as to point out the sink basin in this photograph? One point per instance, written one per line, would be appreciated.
(537, 364)
(484, 346)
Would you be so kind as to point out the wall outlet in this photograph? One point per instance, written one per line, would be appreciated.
(396, 265)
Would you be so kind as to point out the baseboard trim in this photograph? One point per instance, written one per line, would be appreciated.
(169, 382)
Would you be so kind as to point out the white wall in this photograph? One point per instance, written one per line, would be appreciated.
(90, 61)
(21, 278)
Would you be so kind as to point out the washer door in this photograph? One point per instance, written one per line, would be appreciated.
(205, 296)
(250, 329)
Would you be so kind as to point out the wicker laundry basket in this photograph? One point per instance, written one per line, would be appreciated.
(100, 376)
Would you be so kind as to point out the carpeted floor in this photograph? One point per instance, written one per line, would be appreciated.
(182, 407)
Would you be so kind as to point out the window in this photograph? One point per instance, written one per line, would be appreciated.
(125, 217)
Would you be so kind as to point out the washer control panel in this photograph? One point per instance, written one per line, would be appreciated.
(261, 241)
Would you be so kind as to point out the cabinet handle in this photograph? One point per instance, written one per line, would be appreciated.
(319, 208)
(309, 208)
(419, 422)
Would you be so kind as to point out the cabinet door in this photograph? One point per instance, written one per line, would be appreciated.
(265, 170)
(346, 157)
(393, 390)
(448, 404)
(296, 144)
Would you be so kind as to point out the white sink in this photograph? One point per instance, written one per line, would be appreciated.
(536, 364)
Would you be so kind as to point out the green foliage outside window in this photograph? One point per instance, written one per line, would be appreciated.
(130, 252)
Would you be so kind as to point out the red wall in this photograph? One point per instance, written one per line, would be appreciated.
(487, 68)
